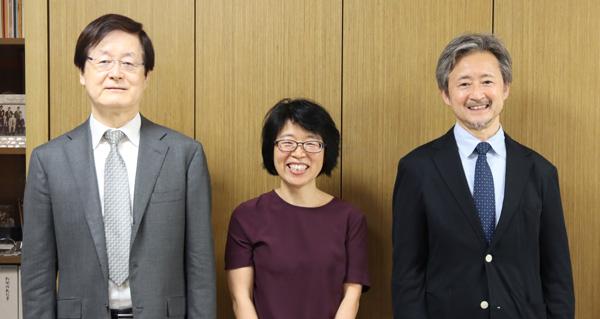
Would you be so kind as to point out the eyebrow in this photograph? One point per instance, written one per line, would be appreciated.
(468, 77)
(131, 54)
(291, 135)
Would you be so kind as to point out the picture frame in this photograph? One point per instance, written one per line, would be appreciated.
(12, 120)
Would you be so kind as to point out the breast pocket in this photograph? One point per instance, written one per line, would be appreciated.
(167, 196)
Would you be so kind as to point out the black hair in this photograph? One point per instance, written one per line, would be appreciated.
(311, 117)
(99, 28)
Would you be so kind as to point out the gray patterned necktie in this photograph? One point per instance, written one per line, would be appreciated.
(117, 210)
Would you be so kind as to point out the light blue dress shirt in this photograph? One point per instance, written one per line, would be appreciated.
(496, 158)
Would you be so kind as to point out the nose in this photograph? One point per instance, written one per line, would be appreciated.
(115, 71)
(477, 92)
(299, 151)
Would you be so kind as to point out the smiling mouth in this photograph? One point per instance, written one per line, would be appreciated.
(478, 107)
(297, 168)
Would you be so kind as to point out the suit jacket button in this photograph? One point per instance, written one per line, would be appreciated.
(488, 258)
(484, 305)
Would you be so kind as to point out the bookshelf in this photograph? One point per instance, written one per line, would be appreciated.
(12, 159)
(12, 41)
(12, 151)
(10, 260)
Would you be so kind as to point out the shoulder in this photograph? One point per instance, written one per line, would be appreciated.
(54, 147)
(418, 154)
(540, 163)
(343, 205)
(416, 161)
(351, 212)
(172, 138)
(428, 150)
(252, 207)
(165, 134)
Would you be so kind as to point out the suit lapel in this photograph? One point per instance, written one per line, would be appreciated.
(81, 160)
(448, 163)
(517, 173)
(151, 154)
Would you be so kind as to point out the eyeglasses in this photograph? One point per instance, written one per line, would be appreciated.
(105, 65)
(307, 146)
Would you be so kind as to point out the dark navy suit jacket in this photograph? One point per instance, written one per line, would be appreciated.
(442, 265)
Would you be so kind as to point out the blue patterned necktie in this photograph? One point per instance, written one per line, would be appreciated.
(483, 191)
(117, 210)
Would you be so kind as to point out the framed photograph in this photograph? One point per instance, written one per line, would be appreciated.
(12, 120)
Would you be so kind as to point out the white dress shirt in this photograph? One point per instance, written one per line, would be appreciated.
(496, 158)
(119, 296)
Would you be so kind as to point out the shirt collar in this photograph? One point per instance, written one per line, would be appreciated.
(467, 142)
(131, 130)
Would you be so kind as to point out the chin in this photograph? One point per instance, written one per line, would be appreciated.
(478, 126)
(296, 183)
(478, 123)
(115, 104)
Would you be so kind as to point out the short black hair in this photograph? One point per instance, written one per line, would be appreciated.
(99, 28)
(311, 117)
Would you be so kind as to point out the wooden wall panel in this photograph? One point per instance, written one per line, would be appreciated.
(553, 108)
(222, 64)
(169, 97)
(249, 55)
(36, 73)
(391, 104)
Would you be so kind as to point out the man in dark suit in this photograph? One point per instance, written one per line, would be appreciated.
(119, 207)
(478, 227)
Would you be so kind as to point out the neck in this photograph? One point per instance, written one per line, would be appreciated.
(113, 119)
(305, 196)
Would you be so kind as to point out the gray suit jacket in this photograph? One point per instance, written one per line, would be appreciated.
(171, 266)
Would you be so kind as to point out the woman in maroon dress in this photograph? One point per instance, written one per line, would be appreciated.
(297, 252)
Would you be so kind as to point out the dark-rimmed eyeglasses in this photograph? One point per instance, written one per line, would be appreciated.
(307, 146)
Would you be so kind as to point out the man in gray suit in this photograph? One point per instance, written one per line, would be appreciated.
(118, 209)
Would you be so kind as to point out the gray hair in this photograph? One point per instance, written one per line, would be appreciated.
(469, 43)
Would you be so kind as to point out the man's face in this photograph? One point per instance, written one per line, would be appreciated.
(115, 90)
(476, 93)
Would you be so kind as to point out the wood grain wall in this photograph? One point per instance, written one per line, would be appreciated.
(250, 54)
(169, 97)
(391, 105)
(222, 64)
(36, 74)
(554, 108)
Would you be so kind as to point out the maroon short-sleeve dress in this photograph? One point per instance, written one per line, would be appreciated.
(301, 256)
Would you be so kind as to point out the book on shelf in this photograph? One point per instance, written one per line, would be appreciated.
(11, 16)
(2, 19)
(12, 120)
(20, 303)
(11, 295)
